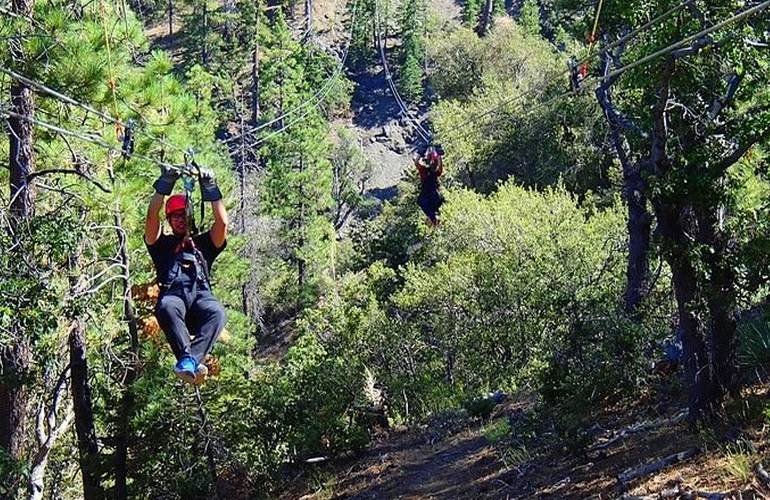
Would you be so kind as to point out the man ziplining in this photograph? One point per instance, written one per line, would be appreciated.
(187, 311)
(430, 167)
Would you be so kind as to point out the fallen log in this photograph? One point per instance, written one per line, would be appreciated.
(762, 475)
(639, 427)
(684, 493)
(647, 469)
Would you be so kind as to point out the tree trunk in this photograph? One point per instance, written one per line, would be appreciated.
(84, 414)
(309, 19)
(15, 357)
(671, 216)
(721, 303)
(205, 48)
(486, 18)
(635, 193)
(639, 227)
(694, 351)
(127, 401)
(301, 264)
(255, 111)
(14, 393)
(170, 17)
(48, 429)
(20, 136)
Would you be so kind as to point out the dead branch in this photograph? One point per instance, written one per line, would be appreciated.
(762, 475)
(640, 427)
(630, 474)
(69, 171)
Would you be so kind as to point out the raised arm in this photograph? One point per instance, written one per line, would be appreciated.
(163, 187)
(420, 167)
(210, 192)
(219, 228)
(152, 223)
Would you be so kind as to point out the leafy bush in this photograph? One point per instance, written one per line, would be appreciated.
(516, 288)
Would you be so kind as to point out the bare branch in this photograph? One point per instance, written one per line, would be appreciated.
(52, 171)
(741, 150)
(721, 102)
(696, 47)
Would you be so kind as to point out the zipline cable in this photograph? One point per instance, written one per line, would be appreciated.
(424, 134)
(617, 43)
(86, 138)
(322, 95)
(314, 99)
(85, 107)
(597, 79)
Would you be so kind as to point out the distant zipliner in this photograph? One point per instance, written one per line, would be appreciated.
(430, 166)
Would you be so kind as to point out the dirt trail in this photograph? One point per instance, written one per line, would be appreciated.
(407, 467)
(460, 461)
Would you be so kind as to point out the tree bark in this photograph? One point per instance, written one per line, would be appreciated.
(84, 414)
(309, 19)
(639, 227)
(20, 131)
(127, 401)
(721, 302)
(301, 264)
(672, 215)
(49, 428)
(486, 18)
(170, 17)
(205, 48)
(635, 194)
(695, 354)
(15, 357)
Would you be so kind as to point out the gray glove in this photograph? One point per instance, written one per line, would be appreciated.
(165, 183)
(209, 189)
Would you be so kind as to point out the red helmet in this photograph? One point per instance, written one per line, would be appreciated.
(175, 203)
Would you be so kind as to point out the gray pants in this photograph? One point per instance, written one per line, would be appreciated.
(186, 310)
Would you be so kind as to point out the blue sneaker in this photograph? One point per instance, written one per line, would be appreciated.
(185, 369)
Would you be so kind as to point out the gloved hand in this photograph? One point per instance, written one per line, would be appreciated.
(209, 189)
(165, 183)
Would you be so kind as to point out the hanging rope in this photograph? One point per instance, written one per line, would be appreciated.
(110, 70)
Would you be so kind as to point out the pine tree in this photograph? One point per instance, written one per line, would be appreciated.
(471, 12)
(412, 52)
(297, 185)
(529, 18)
(362, 45)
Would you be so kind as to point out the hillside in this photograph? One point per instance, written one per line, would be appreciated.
(384, 249)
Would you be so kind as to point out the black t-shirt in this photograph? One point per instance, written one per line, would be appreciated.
(166, 251)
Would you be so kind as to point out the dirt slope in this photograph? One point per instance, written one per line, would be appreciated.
(465, 460)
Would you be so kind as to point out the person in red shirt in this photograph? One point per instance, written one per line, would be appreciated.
(430, 167)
